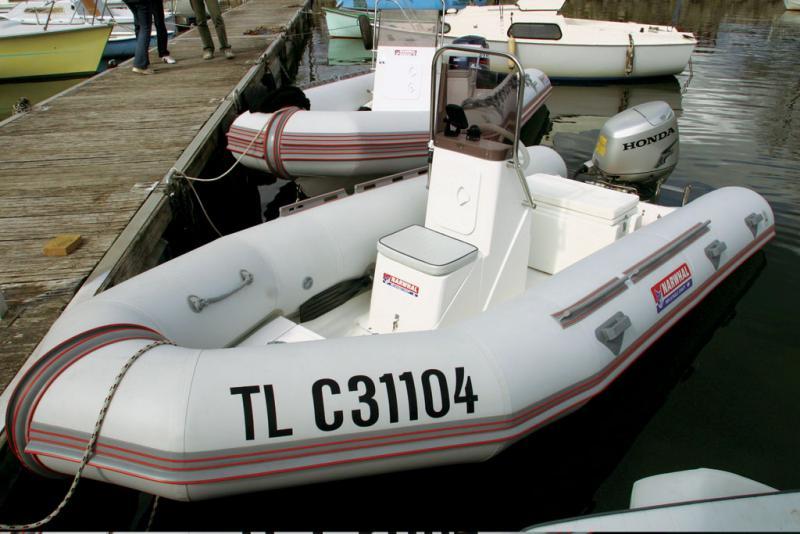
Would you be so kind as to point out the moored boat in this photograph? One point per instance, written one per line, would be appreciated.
(571, 49)
(366, 125)
(418, 322)
(576, 49)
(34, 51)
(72, 13)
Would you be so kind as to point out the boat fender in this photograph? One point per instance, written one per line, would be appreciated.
(365, 26)
(629, 55)
(512, 49)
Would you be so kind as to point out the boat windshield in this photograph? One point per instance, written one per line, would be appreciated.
(405, 25)
(476, 106)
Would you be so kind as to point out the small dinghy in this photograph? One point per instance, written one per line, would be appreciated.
(698, 500)
(417, 322)
(372, 124)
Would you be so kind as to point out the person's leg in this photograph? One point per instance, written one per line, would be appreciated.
(143, 22)
(219, 23)
(198, 6)
(162, 36)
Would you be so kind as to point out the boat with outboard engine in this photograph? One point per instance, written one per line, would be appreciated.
(370, 124)
(696, 500)
(420, 321)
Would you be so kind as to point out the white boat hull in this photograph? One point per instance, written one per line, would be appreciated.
(576, 49)
(598, 62)
(195, 420)
(792, 4)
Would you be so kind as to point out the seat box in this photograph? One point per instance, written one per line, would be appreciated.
(417, 274)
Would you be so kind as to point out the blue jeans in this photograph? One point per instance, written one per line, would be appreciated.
(143, 25)
(161, 27)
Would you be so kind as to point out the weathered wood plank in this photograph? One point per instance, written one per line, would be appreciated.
(87, 162)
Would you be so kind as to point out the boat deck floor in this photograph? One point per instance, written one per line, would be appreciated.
(348, 320)
(85, 161)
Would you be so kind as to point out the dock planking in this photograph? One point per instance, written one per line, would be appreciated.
(92, 160)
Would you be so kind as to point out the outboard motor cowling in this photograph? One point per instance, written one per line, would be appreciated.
(480, 61)
(638, 145)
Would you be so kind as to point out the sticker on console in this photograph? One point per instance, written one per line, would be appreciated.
(672, 286)
(402, 285)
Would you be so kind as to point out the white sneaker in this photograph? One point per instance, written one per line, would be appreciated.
(208, 54)
(168, 60)
(147, 70)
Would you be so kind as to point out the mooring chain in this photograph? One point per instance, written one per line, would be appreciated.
(89, 451)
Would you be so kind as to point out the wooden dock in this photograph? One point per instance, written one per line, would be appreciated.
(95, 160)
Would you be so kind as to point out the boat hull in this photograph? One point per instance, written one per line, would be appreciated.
(66, 52)
(597, 62)
(413, 4)
(119, 46)
(192, 421)
(342, 24)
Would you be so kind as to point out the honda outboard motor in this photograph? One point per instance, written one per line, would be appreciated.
(637, 148)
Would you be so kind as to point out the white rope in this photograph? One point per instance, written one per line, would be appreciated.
(239, 158)
(152, 514)
(203, 209)
(190, 179)
(89, 451)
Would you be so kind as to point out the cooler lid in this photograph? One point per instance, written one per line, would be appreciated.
(580, 197)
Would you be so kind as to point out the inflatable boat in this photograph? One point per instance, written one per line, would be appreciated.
(367, 125)
(697, 500)
(423, 320)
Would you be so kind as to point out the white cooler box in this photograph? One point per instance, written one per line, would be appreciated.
(573, 219)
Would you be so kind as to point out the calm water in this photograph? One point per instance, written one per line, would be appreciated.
(719, 391)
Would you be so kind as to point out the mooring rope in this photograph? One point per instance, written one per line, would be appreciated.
(190, 179)
(89, 451)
